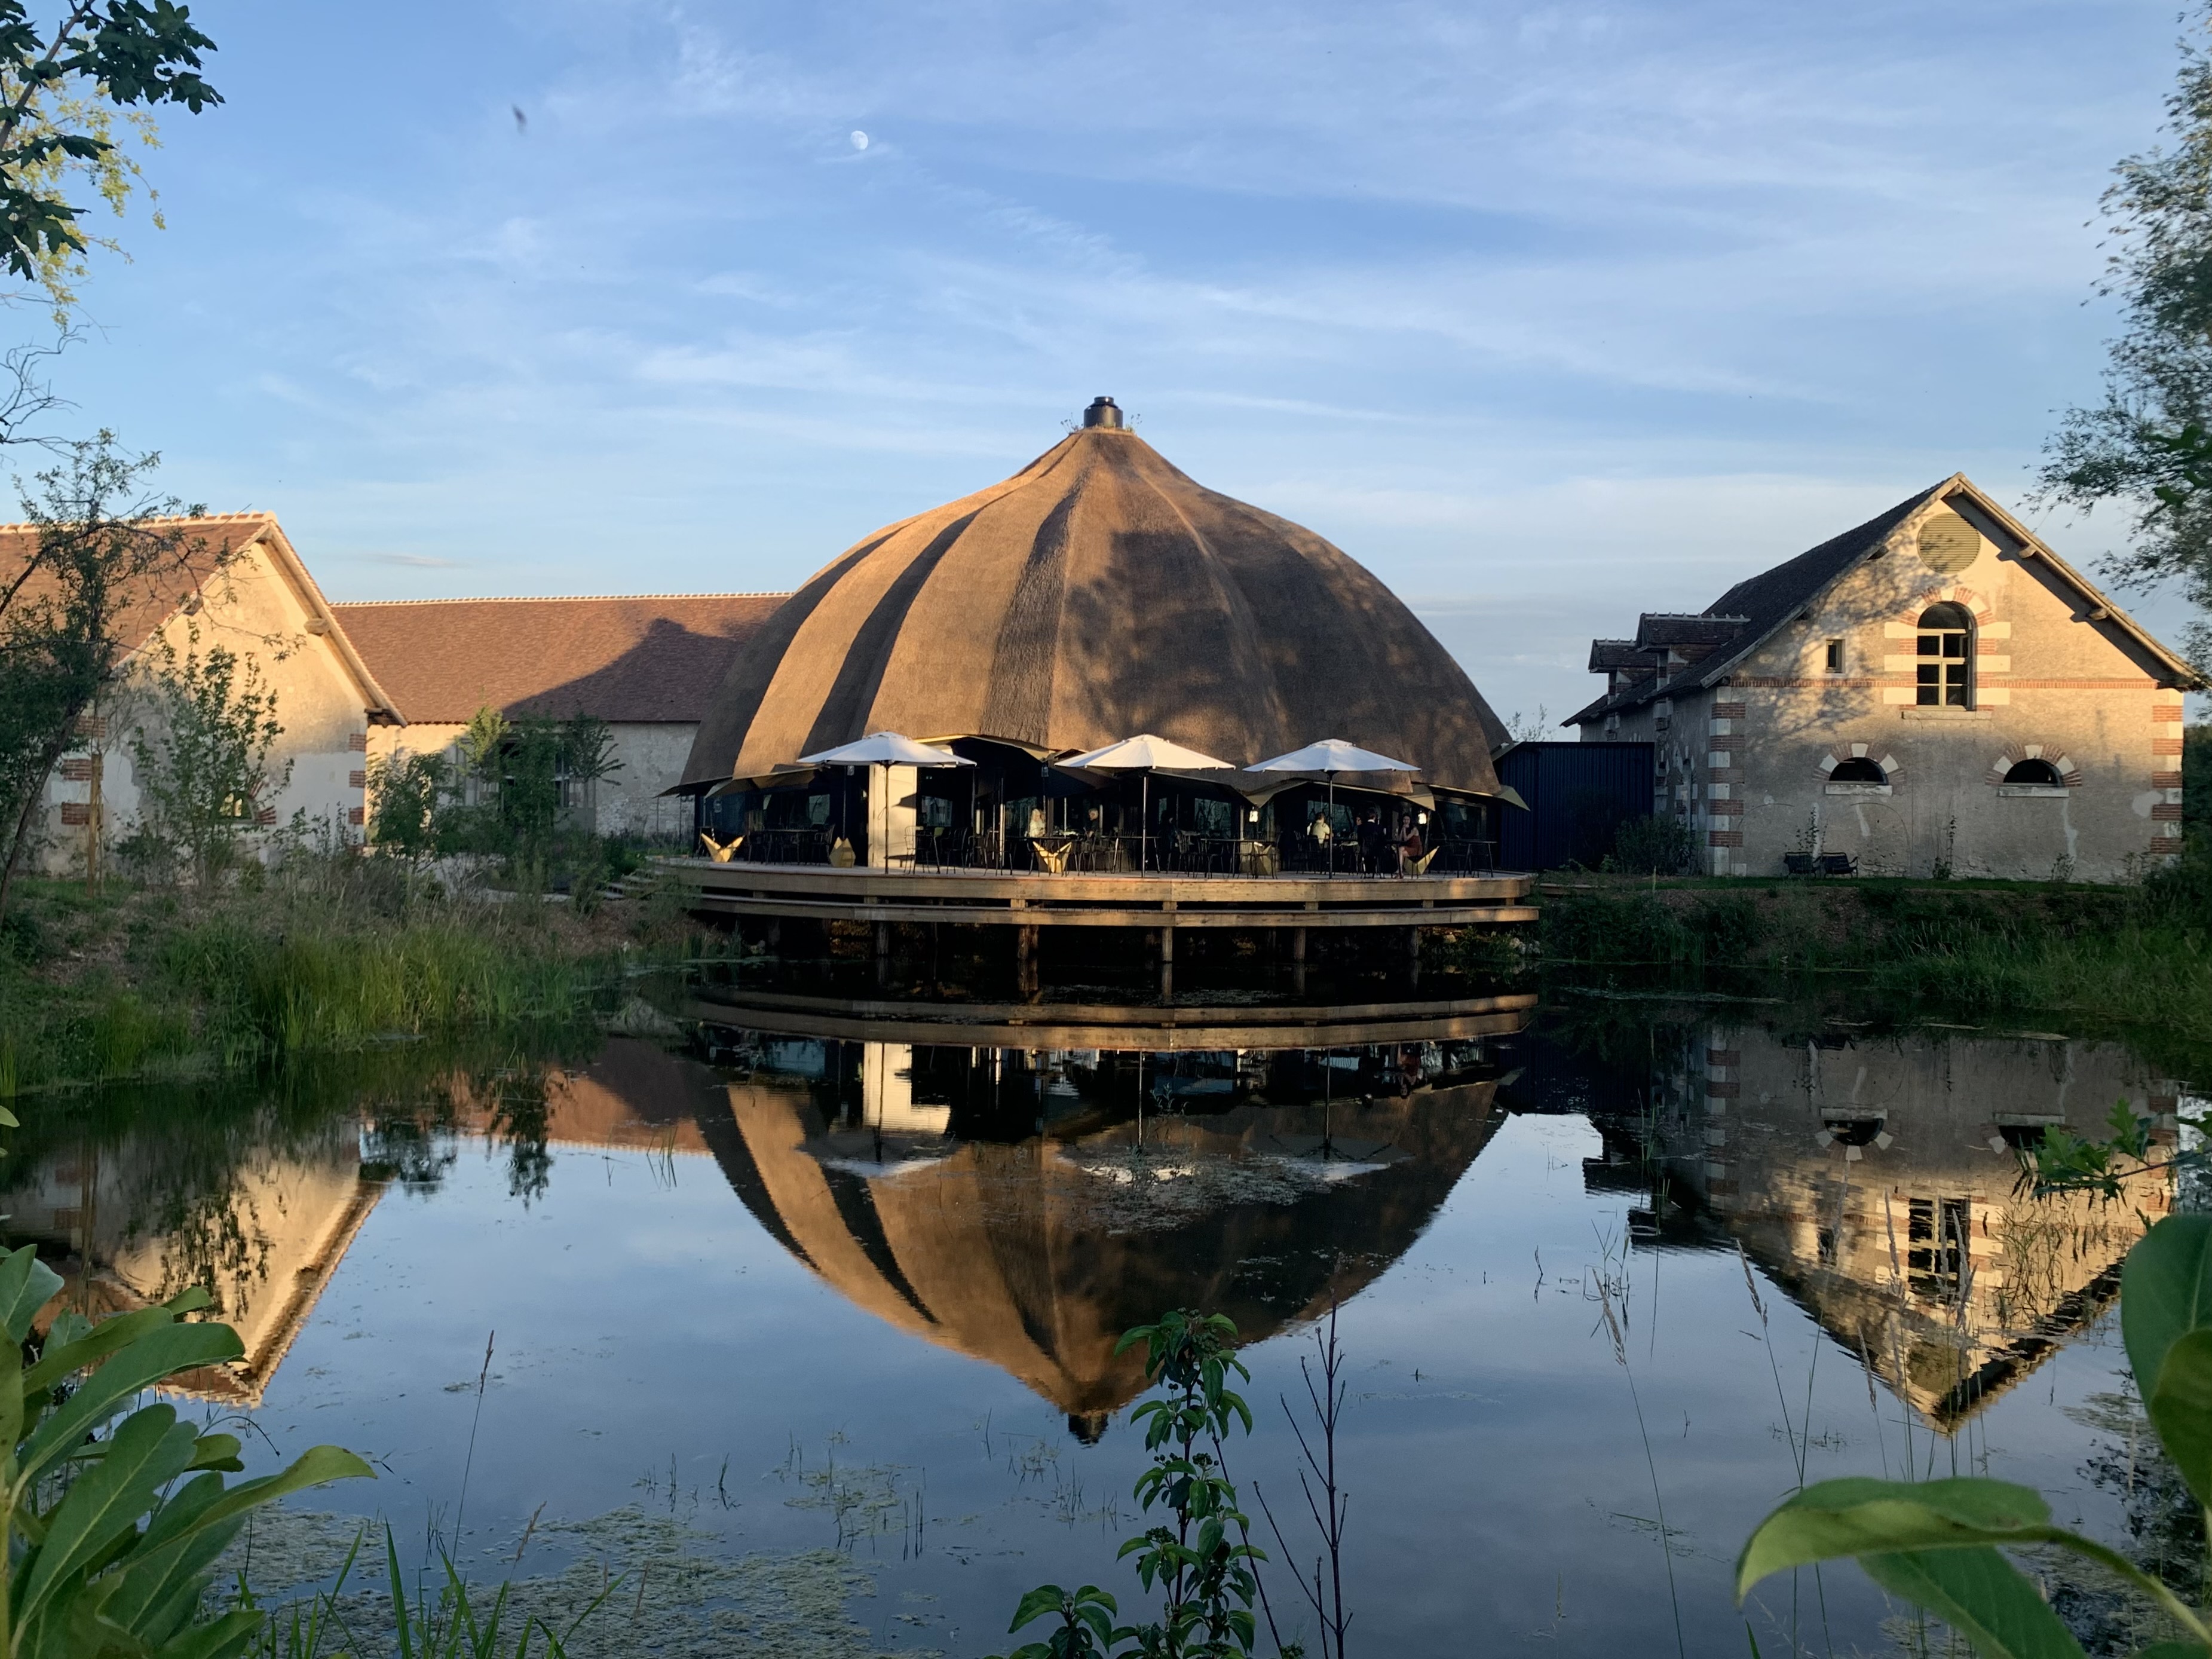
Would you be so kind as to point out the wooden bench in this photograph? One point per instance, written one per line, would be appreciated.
(1820, 864)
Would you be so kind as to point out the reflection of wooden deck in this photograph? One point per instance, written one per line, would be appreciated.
(1012, 898)
(1153, 1028)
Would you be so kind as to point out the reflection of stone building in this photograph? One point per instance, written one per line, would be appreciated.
(1878, 1182)
(263, 1235)
(1036, 1255)
(131, 1221)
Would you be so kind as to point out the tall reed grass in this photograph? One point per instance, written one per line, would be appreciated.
(269, 977)
(2138, 956)
(339, 989)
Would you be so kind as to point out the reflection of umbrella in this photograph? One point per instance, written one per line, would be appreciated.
(1145, 754)
(1331, 756)
(886, 750)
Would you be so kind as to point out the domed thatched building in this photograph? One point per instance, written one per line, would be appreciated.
(1096, 594)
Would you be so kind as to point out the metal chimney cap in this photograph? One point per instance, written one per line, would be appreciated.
(1104, 412)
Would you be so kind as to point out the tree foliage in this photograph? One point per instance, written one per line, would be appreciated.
(409, 791)
(2148, 445)
(201, 748)
(61, 90)
(518, 791)
(104, 549)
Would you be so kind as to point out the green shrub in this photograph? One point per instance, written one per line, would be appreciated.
(1632, 929)
(1659, 844)
(1728, 928)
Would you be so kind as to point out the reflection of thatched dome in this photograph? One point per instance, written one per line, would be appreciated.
(1095, 594)
(1003, 1252)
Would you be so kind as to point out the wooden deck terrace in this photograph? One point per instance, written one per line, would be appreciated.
(1025, 899)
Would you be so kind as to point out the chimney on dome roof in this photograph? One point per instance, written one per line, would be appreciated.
(1104, 413)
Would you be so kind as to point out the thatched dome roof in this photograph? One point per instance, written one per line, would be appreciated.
(1097, 593)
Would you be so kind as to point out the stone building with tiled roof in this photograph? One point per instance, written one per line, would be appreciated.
(1935, 690)
(239, 583)
(647, 665)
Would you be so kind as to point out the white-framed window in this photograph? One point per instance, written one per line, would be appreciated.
(1946, 666)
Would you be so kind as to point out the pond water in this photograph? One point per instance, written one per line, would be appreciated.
(815, 1338)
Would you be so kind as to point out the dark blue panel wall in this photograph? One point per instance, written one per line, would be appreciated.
(1577, 794)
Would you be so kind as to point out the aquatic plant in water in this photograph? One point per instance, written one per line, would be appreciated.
(1203, 1571)
(107, 1540)
(634, 1583)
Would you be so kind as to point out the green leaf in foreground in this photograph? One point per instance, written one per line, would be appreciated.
(1981, 1595)
(2180, 1407)
(1855, 1517)
(2165, 1292)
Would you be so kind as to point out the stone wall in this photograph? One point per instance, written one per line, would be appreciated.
(2055, 678)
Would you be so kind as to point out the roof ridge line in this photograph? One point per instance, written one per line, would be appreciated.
(165, 518)
(567, 599)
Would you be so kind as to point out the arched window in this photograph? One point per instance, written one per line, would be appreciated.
(2041, 774)
(1947, 657)
(1859, 770)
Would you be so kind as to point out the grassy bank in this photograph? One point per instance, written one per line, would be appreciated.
(2138, 956)
(326, 956)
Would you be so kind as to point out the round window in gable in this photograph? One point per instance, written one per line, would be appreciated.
(1859, 770)
(1947, 543)
(2037, 774)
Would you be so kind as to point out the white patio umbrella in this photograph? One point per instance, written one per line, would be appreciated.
(1147, 754)
(886, 750)
(1329, 756)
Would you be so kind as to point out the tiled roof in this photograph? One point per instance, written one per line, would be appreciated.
(635, 658)
(1658, 630)
(205, 543)
(1742, 618)
(1608, 656)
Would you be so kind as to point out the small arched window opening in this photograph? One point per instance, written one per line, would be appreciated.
(1947, 657)
(2038, 774)
(1859, 770)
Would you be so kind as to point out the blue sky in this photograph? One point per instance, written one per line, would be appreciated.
(1545, 313)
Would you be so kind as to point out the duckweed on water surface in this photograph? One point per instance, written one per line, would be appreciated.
(678, 1597)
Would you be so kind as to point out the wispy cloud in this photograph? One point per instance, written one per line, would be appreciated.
(1549, 313)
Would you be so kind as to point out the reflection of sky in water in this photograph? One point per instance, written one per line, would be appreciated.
(767, 1298)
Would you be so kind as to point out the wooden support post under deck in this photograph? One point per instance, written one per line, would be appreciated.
(883, 953)
(1026, 963)
(1298, 960)
(1413, 953)
(1167, 961)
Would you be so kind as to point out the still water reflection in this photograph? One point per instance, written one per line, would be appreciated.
(794, 1292)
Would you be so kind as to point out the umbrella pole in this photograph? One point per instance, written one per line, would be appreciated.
(1332, 826)
(1144, 818)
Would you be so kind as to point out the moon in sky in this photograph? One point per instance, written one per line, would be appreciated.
(859, 140)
